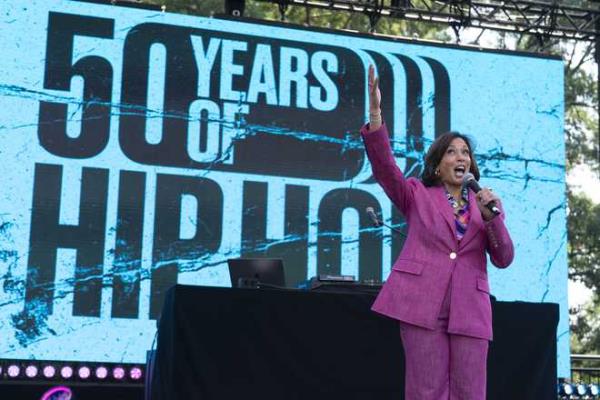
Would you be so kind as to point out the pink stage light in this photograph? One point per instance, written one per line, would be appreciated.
(101, 372)
(13, 371)
(135, 373)
(49, 371)
(84, 372)
(118, 373)
(31, 371)
(66, 372)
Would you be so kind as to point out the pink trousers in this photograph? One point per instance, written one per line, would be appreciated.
(441, 366)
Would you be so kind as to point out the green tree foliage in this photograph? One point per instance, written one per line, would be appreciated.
(583, 218)
(584, 329)
(584, 266)
(584, 241)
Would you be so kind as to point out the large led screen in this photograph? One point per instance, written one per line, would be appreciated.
(142, 149)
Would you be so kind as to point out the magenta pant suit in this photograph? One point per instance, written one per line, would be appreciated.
(438, 287)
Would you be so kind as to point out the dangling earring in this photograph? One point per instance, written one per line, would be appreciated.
(437, 172)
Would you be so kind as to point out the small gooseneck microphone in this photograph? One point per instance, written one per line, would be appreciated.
(470, 182)
(371, 213)
(377, 222)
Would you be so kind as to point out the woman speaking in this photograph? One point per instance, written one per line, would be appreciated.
(438, 287)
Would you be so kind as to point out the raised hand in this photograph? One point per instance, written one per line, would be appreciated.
(374, 92)
(374, 100)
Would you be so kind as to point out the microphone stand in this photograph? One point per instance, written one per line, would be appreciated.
(381, 223)
(378, 222)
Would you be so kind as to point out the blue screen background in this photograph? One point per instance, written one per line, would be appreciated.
(511, 104)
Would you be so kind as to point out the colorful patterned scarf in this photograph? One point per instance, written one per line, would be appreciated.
(461, 212)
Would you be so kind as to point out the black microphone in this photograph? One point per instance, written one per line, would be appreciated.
(377, 222)
(470, 182)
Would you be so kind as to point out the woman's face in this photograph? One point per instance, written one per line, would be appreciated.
(455, 163)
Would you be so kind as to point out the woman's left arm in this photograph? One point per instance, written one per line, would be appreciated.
(500, 245)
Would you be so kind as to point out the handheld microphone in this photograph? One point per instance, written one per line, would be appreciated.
(377, 222)
(470, 182)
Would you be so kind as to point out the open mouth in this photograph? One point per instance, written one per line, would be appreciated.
(459, 171)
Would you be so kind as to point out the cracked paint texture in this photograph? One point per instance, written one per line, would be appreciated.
(232, 202)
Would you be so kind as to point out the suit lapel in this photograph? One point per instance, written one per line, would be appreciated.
(475, 221)
(439, 194)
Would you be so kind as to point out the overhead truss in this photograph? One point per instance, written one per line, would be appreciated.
(551, 19)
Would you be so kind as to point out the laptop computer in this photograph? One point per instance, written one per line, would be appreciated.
(251, 272)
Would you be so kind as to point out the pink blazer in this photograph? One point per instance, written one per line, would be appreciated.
(432, 258)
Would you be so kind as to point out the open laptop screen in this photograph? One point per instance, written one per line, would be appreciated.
(264, 270)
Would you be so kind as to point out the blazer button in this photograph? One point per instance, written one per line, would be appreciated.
(452, 255)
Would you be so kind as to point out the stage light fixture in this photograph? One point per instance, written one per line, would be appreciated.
(580, 389)
(49, 371)
(135, 373)
(565, 389)
(66, 372)
(235, 7)
(118, 373)
(84, 372)
(31, 371)
(13, 371)
(101, 372)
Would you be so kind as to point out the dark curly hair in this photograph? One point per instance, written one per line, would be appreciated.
(436, 153)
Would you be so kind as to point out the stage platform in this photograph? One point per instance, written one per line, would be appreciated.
(221, 343)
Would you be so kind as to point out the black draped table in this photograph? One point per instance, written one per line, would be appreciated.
(221, 343)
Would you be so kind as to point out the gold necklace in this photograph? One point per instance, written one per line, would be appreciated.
(458, 205)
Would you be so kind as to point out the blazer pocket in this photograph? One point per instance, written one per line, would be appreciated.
(482, 285)
(409, 266)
